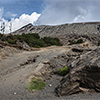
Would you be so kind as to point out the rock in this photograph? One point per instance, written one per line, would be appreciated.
(84, 76)
(15, 93)
(50, 85)
(23, 44)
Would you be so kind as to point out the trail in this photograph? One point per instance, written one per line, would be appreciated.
(16, 69)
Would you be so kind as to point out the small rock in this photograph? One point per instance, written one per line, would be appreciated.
(15, 93)
(50, 85)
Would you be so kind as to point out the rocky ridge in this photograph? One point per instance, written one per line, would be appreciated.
(75, 28)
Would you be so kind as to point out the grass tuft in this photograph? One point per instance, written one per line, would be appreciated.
(64, 71)
(36, 84)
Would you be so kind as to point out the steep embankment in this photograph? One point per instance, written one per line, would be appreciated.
(8, 50)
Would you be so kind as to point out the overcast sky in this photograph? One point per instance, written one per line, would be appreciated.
(47, 12)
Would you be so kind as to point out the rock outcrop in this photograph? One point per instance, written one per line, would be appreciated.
(84, 76)
(93, 38)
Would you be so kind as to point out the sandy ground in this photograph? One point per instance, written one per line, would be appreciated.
(16, 70)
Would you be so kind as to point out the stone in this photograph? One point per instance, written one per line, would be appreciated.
(50, 85)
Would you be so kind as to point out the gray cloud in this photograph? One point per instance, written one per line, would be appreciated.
(69, 11)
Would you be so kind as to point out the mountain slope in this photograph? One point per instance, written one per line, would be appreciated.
(76, 28)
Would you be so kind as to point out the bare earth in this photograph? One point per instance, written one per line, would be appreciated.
(16, 70)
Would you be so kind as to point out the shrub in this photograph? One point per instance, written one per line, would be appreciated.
(76, 42)
(77, 50)
(99, 43)
(32, 39)
(51, 41)
(1, 35)
(12, 41)
(64, 71)
(79, 41)
(36, 84)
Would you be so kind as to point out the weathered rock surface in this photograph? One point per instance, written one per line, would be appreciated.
(23, 44)
(84, 75)
(76, 28)
(91, 39)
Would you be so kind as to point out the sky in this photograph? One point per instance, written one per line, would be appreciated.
(47, 12)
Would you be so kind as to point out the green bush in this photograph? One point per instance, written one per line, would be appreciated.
(51, 41)
(76, 42)
(32, 39)
(79, 41)
(77, 50)
(64, 71)
(36, 84)
(12, 41)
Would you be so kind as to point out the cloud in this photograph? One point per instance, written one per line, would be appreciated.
(1, 13)
(24, 19)
(9, 15)
(69, 11)
(21, 21)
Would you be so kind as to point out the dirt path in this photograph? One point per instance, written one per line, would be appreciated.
(15, 71)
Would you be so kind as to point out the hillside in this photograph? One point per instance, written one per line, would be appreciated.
(75, 28)
(70, 71)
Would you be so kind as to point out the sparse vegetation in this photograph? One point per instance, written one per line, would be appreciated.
(99, 43)
(51, 41)
(77, 50)
(32, 39)
(64, 71)
(79, 41)
(76, 42)
(36, 84)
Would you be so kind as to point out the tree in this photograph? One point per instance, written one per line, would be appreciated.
(10, 27)
(3, 29)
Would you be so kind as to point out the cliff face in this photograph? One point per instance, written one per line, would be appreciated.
(76, 28)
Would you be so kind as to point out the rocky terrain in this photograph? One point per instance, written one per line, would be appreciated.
(75, 28)
(91, 39)
(84, 76)
(16, 71)
(20, 63)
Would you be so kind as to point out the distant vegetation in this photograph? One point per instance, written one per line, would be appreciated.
(76, 42)
(32, 39)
